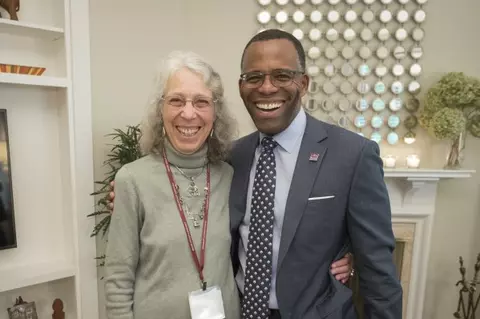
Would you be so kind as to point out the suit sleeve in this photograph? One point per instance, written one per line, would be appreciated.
(122, 249)
(370, 228)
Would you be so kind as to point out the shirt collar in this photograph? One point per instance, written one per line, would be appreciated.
(288, 138)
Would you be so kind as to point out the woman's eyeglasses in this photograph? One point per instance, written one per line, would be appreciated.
(199, 102)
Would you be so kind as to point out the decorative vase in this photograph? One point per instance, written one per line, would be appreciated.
(456, 152)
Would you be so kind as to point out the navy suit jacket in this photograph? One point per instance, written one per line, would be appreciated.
(316, 232)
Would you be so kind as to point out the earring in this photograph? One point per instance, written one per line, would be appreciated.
(211, 133)
(163, 130)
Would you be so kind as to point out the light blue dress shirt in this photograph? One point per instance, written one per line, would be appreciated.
(286, 153)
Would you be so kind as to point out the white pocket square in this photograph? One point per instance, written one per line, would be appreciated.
(321, 197)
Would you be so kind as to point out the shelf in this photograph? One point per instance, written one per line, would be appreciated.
(21, 79)
(35, 274)
(427, 174)
(30, 29)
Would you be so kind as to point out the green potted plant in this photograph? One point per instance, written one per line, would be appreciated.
(451, 110)
(126, 149)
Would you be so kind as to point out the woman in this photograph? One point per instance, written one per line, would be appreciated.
(165, 200)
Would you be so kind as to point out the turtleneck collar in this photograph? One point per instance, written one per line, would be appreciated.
(195, 160)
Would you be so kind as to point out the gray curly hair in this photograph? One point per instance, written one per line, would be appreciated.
(224, 127)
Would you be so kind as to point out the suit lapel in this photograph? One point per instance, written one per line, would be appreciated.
(304, 176)
(242, 166)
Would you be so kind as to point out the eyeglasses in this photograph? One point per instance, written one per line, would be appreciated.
(278, 77)
(198, 102)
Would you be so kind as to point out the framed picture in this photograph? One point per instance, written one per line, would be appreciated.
(8, 236)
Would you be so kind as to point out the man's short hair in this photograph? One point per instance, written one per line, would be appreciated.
(274, 34)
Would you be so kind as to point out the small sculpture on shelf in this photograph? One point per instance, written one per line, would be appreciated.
(12, 7)
(22, 310)
(469, 298)
(57, 307)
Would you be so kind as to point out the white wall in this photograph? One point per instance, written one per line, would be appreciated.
(123, 33)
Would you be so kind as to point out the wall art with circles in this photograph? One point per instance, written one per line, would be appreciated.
(363, 58)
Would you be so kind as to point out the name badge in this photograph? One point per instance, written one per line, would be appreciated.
(206, 304)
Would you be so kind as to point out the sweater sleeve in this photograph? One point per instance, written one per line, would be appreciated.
(122, 248)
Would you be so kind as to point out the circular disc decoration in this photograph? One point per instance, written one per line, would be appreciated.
(368, 16)
(381, 70)
(399, 52)
(368, 1)
(398, 70)
(419, 16)
(350, 2)
(328, 105)
(364, 70)
(264, 2)
(379, 87)
(311, 105)
(361, 105)
(378, 105)
(410, 122)
(315, 16)
(397, 87)
(298, 33)
(281, 17)
(344, 105)
(401, 34)
(383, 34)
(332, 35)
(331, 53)
(263, 17)
(386, 1)
(329, 88)
(299, 2)
(349, 34)
(360, 121)
(315, 2)
(330, 70)
(415, 69)
(281, 2)
(366, 34)
(393, 121)
(403, 1)
(333, 2)
(392, 138)
(333, 16)
(385, 16)
(376, 137)
(346, 87)
(418, 34)
(376, 121)
(348, 52)
(416, 52)
(315, 34)
(414, 87)
(313, 70)
(382, 53)
(363, 87)
(314, 53)
(395, 104)
(402, 16)
(422, 1)
(347, 70)
(298, 16)
(413, 104)
(350, 16)
(365, 52)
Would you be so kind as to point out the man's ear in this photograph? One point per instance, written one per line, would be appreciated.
(304, 84)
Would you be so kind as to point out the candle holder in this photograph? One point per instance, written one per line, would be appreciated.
(413, 161)
(389, 161)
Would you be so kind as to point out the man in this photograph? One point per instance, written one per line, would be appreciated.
(301, 192)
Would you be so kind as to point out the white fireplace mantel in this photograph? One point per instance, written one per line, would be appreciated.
(413, 194)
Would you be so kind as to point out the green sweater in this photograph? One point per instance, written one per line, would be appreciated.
(149, 269)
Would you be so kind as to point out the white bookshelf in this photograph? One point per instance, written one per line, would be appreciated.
(50, 137)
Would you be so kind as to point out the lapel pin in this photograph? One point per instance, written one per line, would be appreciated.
(313, 157)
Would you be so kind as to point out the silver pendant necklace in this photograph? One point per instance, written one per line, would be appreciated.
(192, 188)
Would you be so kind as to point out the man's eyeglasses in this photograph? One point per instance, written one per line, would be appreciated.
(278, 77)
(198, 102)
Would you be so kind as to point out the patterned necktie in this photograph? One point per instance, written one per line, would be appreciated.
(259, 249)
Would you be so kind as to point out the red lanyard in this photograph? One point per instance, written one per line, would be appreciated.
(199, 263)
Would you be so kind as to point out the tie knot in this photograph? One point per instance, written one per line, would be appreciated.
(269, 143)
